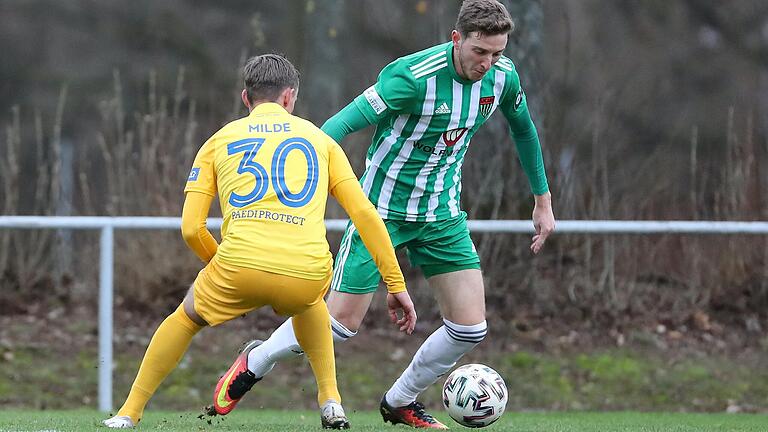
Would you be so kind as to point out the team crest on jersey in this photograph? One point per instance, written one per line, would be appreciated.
(453, 136)
(486, 105)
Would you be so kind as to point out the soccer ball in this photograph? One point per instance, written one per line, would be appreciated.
(474, 395)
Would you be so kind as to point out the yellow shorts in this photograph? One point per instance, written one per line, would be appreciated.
(224, 291)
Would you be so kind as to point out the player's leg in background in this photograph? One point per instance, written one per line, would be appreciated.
(347, 313)
(461, 298)
(355, 279)
(283, 344)
(169, 343)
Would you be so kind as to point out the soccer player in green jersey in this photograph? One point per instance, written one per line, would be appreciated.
(426, 107)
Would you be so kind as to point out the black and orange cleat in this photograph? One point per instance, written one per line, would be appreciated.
(235, 383)
(412, 415)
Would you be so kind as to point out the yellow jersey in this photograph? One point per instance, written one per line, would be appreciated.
(272, 172)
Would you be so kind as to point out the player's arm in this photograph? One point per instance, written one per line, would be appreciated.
(200, 190)
(393, 92)
(349, 119)
(523, 131)
(194, 229)
(347, 191)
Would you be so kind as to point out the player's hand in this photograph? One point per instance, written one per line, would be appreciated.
(543, 221)
(402, 302)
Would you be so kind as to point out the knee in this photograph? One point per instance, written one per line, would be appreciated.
(349, 309)
(348, 324)
(473, 334)
(350, 319)
(188, 306)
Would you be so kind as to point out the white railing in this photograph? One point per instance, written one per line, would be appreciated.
(107, 225)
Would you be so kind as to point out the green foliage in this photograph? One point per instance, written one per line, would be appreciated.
(617, 379)
(620, 379)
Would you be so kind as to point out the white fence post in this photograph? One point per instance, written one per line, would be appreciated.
(106, 260)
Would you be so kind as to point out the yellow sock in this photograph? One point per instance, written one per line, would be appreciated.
(166, 348)
(313, 331)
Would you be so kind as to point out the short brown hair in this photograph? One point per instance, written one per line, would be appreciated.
(488, 17)
(268, 75)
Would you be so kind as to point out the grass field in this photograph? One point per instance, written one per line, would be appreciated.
(288, 421)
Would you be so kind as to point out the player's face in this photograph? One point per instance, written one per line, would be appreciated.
(474, 54)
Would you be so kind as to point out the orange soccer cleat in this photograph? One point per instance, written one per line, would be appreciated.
(235, 383)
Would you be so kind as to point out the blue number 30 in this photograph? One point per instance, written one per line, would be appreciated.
(248, 164)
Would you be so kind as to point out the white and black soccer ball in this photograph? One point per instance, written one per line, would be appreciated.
(474, 395)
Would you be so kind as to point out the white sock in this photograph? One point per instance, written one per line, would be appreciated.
(340, 333)
(436, 356)
(283, 344)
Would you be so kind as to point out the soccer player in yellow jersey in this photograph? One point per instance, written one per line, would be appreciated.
(272, 173)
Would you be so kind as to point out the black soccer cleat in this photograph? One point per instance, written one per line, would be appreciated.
(412, 415)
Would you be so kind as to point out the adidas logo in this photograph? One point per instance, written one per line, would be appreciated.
(443, 109)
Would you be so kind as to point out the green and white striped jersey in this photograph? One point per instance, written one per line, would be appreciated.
(425, 116)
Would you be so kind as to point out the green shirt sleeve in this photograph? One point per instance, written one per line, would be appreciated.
(394, 91)
(349, 119)
(523, 131)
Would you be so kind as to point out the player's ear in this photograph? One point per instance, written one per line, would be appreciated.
(455, 38)
(288, 98)
(244, 97)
